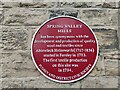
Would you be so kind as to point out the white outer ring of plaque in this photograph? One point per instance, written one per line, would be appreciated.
(70, 80)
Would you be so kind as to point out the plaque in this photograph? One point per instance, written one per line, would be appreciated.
(64, 49)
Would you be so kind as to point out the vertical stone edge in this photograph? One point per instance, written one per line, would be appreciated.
(0, 72)
(1, 20)
(29, 40)
(118, 33)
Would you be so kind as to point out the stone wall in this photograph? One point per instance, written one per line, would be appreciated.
(18, 22)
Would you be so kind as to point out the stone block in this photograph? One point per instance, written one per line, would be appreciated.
(0, 37)
(35, 4)
(0, 84)
(75, 4)
(12, 83)
(32, 30)
(14, 38)
(111, 67)
(3, 1)
(42, 82)
(1, 15)
(99, 17)
(99, 69)
(10, 4)
(110, 4)
(107, 38)
(100, 82)
(55, 13)
(24, 16)
(112, 55)
(38, 4)
(105, 4)
(119, 4)
(89, 4)
(18, 65)
(111, 61)
(0, 70)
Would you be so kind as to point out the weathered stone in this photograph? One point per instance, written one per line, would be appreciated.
(99, 17)
(99, 69)
(25, 1)
(42, 82)
(30, 4)
(100, 82)
(111, 61)
(119, 4)
(14, 38)
(106, 5)
(1, 4)
(112, 44)
(1, 15)
(113, 16)
(107, 38)
(0, 37)
(65, 4)
(112, 55)
(39, 4)
(12, 83)
(32, 30)
(46, 1)
(111, 67)
(10, 4)
(118, 32)
(97, 4)
(118, 83)
(0, 67)
(24, 16)
(18, 65)
(0, 84)
(54, 13)
(75, 4)
(111, 4)
(83, 5)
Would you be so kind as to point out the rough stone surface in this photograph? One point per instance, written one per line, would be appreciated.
(54, 13)
(42, 82)
(99, 69)
(0, 68)
(99, 17)
(112, 55)
(14, 38)
(111, 67)
(111, 61)
(18, 65)
(112, 5)
(0, 37)
(24, 16)
(100, 82)
(119, 27)
(108, 35)
(0, 83)
(32, 30)
(10, 4)
(39, 5)
(1, 15)
(12, 83)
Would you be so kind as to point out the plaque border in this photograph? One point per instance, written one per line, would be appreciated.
(58, 81)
